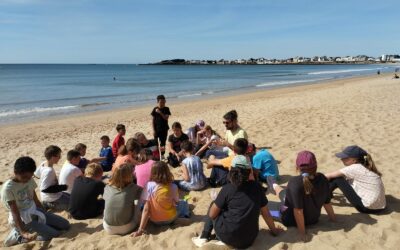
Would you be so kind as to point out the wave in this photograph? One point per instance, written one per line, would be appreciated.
(94, 104)
(195, 94)
(339, 71)
(34, 110)
(290, 82)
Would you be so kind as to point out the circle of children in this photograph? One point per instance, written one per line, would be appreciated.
(142, 188)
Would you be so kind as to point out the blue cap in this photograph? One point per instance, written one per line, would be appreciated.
(352, 152)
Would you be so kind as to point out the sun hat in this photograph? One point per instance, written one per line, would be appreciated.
(353, 151)
(240, 161)
(306, 160)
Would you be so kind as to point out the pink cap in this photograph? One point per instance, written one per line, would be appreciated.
(306, 160)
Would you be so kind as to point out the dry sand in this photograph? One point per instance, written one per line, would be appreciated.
(322, 118)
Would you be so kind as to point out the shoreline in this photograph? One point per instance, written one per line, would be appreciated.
(197, 99)
(322, 118)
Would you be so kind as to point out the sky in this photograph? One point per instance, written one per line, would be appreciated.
(142, 31)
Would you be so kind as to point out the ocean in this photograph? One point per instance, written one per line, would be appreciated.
(35, 91)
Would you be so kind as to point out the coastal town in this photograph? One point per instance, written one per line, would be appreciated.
(360, 59)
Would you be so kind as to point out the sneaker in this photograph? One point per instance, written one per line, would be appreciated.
(199, 242)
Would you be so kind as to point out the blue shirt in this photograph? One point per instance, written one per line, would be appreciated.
(195, 169)
(266, 164)
(107, 152)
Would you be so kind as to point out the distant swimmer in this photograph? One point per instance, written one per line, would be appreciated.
(378, 72)
(114, 78)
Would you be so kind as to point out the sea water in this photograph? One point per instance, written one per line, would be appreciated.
(36, 91)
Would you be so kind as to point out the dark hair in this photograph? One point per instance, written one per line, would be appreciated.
(231, 115)
(24, 164)
(80, 146)
(240, 146)
(132, 145)
(120, 127)
(73, 154)
(176, 125)
(239, 176)
(105, 138)
(160, 97)
(52, 151)
(160, 173)
(187, 146)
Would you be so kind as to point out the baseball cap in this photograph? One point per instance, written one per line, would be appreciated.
(353, 151)
(240, 161)
(306, 160)
(201, 124)
(214, 137)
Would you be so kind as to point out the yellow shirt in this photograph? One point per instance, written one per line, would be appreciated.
(231, 136)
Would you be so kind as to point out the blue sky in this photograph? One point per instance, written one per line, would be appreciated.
(123, 31)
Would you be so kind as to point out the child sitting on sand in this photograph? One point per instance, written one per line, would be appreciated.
(193, 132)
(192, 170)
(50, 191)
(160, 196)
(304, 196)
(360, 181)
(121, 215)
(220, 167)
(106, 155)
(81, 148)
(127, 154)
(70, 170)
(148, 144)
(207, 139)
(84, 202)
(119, 139)
(266, 169)
(143, 169)
(26, 214)
(174, 144)
(234, 214)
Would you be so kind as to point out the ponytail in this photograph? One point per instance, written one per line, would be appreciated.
(370, 164)
(308, 186)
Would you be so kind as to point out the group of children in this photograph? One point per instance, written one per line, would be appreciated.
(140, 186)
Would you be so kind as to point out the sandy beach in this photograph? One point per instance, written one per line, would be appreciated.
(323, 118)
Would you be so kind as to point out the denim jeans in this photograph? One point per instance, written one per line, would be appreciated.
(217, 153)
(54, 226)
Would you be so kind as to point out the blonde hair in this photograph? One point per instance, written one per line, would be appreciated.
(144, 155)
(308, 186)
(307, 175)
(93, 169)
(122, 176)
(370, 164)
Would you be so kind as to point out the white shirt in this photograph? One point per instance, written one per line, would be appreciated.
(48, 178)
(367, 184)
(68, 175)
